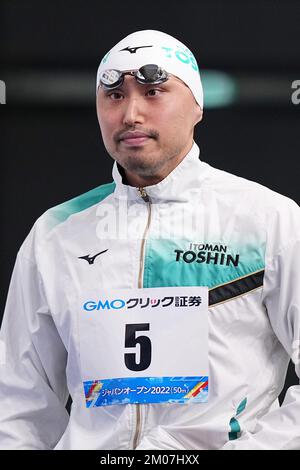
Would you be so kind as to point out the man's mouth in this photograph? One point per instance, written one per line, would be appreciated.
(134, 138)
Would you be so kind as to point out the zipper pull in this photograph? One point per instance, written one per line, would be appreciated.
(143, 194)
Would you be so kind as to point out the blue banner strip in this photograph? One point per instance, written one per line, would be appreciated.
(122, 391)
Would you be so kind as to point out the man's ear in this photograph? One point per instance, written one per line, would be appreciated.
(198, 114)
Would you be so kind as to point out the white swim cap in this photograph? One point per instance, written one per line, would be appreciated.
(154, 47)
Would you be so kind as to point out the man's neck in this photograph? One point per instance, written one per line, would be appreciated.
(141, 181)
(138, 181)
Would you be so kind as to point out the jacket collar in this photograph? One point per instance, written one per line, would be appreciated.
(177, 186)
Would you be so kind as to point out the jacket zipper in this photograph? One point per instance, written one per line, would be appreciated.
(146, 198)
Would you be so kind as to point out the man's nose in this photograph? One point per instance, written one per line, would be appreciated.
(133, 113)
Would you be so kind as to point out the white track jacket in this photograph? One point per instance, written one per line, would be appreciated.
(200, 226)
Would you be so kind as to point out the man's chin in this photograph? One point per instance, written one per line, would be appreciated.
(140, 165)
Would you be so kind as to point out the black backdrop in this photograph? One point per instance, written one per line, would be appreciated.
(51, 148)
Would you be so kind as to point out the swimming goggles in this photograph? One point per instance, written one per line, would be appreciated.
(148, 74)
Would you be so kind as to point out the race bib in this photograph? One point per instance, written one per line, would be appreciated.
(144, 345)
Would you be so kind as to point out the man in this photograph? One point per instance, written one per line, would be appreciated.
(166, 303)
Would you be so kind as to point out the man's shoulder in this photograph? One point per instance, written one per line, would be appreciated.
(65, 216)
(250, 192)
(61, 213)
(274, 213)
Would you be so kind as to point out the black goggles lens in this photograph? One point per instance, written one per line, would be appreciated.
(148, 74)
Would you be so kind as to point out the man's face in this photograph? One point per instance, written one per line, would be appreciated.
(164, 115)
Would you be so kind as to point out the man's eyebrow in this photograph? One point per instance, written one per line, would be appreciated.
(107, 90)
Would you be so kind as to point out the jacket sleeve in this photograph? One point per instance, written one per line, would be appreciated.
(280, 429)
(33, 390)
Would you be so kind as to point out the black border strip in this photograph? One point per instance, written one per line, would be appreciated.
(235, 288)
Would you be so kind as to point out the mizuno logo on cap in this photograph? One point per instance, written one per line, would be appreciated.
(133, 50)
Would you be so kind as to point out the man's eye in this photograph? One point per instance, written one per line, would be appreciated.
(153, 92)
(115, 95)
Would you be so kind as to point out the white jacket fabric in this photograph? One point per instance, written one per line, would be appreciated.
(254, 312)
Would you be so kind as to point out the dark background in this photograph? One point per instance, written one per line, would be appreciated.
(51, 148)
